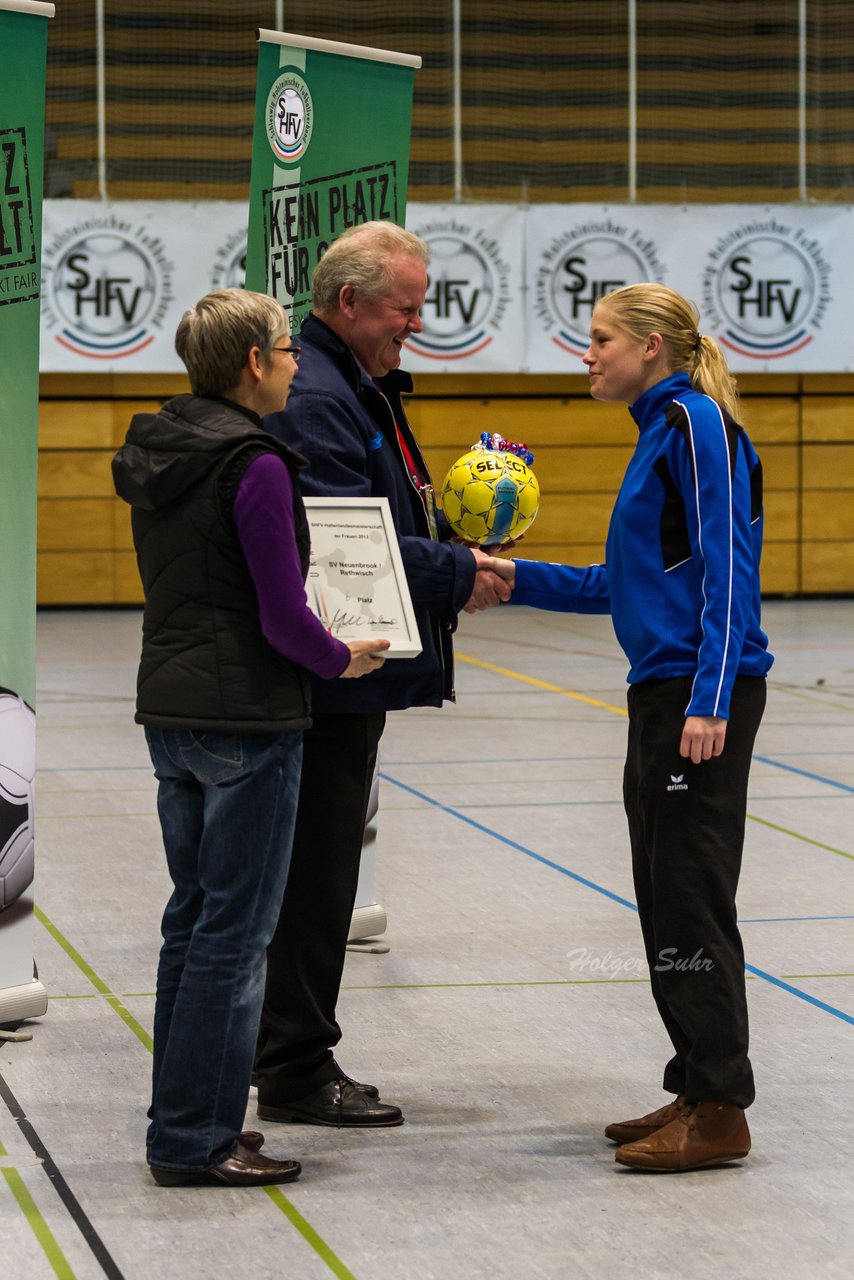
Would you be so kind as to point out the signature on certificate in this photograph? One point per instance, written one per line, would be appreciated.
(343, 619)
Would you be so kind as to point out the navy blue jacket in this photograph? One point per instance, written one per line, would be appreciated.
(339, 419)
(681, 572)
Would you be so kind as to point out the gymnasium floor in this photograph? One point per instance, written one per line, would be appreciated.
(510, 1018)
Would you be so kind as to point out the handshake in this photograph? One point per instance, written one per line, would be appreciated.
(493, 583)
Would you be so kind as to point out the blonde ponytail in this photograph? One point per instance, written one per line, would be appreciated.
(710, 375)
(641, 309)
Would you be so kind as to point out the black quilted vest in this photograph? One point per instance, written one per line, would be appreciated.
(205, 663)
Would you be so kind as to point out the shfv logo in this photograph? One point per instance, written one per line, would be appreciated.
(229, 268)
(766, 289)
(582, 265)
(106, 290)
(468, 292)
(289, 117)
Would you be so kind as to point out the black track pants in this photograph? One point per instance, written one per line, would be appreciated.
(686, 824)
(305, 959)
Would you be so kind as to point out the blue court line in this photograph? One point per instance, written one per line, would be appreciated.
(785, 755)
(802, 995)
(512, 844)
(562, 759)
(804, 773)
(598, 888)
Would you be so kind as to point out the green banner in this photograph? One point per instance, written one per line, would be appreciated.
(330, 150)
(23, 58)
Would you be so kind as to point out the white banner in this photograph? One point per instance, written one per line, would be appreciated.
(471, 314)
(511, 287)
(574, 254)
(773, 284)
(118, 277)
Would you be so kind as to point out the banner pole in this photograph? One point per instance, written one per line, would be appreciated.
(458, 100)
(101, 72)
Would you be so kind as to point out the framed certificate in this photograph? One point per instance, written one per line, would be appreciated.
(356, 584)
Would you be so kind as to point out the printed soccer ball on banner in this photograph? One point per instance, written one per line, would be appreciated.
(490, 495)
(17, 770)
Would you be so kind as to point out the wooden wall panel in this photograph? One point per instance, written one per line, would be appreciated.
(536, 421)
(75, 524)
(828, 515)
(782, 516)
(828, 418)
(828, 466)
(770, 419)
(780, 466)
(828, 567)
(83, 473)
(803, 428)
(122, 536)
(580, 553)
(128, 588)
(88, 424)
(76, 577)
(780, 568)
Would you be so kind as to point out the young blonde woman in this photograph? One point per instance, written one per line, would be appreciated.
(681, 582)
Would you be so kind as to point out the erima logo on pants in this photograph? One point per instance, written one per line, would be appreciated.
(677, 784)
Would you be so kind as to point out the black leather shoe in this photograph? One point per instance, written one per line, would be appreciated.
(245, 1168)
(369, 1090)
(337, 1103)
(250, 1138)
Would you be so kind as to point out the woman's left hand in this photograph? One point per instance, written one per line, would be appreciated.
(702, 738)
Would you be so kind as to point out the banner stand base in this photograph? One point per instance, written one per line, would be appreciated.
(366, 922)
(27, 1001)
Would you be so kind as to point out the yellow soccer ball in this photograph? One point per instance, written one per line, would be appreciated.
(490, 497)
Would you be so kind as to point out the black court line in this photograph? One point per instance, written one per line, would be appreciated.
(76, 1211)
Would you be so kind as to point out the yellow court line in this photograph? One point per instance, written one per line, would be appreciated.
(306, 1230)
(42, 1232)
(308, 1233)
(541, 684)
(98, 983)
(492, 986)
(621, 711)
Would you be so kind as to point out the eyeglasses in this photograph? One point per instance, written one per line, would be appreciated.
(291, 351)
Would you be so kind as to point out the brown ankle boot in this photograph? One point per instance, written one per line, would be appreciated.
(635, 1130)
(702, 1136)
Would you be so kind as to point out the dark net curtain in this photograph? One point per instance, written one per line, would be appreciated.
(180, 91)
(830, 101)
(545, 96)
(545, 100)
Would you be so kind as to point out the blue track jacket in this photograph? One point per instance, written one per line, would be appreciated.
(681, 572)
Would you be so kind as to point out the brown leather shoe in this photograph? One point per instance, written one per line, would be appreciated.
(249, 1138)
(635, 1130)
(245, 1168)
(700, 1137)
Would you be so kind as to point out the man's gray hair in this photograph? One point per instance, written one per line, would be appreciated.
(216, 335)
(361, 257)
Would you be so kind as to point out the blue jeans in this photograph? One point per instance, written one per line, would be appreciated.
(227, 805)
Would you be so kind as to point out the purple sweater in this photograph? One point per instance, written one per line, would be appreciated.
(263, 514)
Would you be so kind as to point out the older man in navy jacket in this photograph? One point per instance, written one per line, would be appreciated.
(346, 417)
